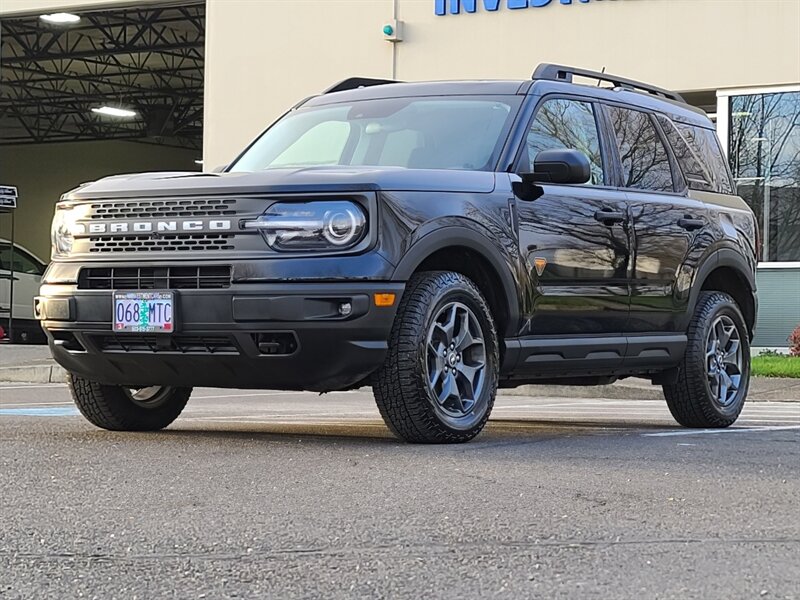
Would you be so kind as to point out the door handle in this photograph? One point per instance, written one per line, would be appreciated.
(690, 224)
(609, 217)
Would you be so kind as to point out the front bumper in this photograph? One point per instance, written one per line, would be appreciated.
(256, 335)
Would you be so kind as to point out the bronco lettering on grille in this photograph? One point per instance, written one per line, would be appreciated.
(161, 226)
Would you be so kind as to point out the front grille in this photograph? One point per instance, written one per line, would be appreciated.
(156, 209)
(183, 242)
(207, 277)
(166, 344)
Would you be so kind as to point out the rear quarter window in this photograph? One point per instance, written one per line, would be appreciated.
(705, 145)
(694, 171)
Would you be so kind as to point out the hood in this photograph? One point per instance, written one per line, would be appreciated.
(295, 180)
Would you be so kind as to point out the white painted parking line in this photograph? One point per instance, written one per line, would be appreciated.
(718, 431)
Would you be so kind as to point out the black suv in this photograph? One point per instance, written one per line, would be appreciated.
(433, 240)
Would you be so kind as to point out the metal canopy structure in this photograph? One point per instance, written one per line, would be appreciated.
(150, 60)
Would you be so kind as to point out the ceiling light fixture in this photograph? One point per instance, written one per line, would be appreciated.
(60, 18)
(111, 111)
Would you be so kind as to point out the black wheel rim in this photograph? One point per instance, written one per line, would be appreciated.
(456, 364)
(724, 361)
(149, 396)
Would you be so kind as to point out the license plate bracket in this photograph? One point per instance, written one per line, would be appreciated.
(144, 311)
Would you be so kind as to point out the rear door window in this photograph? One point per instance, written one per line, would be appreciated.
(643, 156)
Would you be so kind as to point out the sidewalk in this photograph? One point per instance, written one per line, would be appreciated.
(33, 364)
(28, 364)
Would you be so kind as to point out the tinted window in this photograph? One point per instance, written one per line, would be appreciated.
(697, 177)
(567, 124)
(23, 262)
(645, 162)
(323, 144)
(459, 132)
(705, 144)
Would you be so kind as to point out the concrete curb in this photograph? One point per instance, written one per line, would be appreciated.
(33, 374)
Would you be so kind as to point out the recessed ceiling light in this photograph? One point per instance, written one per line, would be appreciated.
(111, 111)
(60, 18)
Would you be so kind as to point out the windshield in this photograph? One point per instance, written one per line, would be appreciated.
(461, 132)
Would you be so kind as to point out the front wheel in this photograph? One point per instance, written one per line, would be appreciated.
(119, 408)
(714, 376)
(439, 380)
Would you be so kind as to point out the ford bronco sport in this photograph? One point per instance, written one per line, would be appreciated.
(433, 240)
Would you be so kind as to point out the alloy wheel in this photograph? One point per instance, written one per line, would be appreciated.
(724, 361)
(456, 361)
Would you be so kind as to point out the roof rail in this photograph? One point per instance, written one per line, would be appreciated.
(353, 83)
(562, 73)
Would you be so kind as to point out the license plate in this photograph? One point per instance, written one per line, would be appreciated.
(144, 312)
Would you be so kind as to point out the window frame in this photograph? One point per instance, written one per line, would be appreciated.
(610, 175)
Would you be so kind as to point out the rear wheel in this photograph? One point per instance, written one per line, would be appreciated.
(714, 375)
(439, 380)
(119, 408)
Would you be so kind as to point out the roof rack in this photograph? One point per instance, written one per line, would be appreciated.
(562, 73)
(353, 83)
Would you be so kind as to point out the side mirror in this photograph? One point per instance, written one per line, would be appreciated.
(553, 166)
(560, 166)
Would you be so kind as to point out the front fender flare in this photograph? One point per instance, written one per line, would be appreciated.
(458, 236)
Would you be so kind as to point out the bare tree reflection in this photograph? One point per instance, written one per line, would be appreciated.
(765, 153)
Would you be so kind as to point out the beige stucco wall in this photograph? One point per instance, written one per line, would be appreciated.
(679, 44)
(264, 55)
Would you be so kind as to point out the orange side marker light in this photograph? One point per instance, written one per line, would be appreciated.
(384, 299)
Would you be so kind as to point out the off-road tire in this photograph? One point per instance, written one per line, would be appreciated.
(400, 386)
(111, 407)
(690, 399)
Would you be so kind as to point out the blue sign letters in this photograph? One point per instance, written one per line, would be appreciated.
(454, 7)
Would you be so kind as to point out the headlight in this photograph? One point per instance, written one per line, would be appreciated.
(337, 225)
(63, 230)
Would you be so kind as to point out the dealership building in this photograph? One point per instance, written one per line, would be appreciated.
(202, 79)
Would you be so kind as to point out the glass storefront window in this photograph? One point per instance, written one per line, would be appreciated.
(764, 154)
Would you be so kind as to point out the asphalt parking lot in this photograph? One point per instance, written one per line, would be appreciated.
(292, 495)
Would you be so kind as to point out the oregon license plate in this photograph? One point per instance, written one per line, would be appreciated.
(144, 312)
